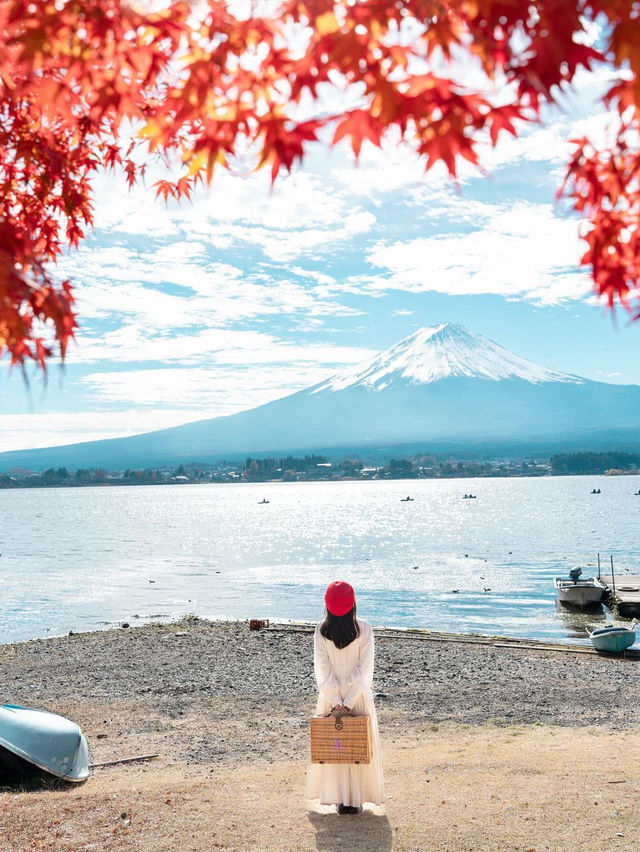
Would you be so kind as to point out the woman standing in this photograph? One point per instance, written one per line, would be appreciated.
(343, 664)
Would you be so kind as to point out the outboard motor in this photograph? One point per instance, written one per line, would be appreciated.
(575, 574)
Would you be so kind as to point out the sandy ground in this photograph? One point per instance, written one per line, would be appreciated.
(451, 789)
(518, 750)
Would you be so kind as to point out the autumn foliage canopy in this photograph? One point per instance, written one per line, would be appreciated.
(87, 86)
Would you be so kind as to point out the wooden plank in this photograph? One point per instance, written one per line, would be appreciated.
(458, 638)
(567, 649)
(631, 654)
(630, 581)
(123, 760)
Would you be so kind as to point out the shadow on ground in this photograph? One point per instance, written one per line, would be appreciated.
(20, 776)
(358, 833)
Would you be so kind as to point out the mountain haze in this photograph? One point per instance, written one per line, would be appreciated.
(441, 385)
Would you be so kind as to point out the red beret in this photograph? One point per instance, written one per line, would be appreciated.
(339, 598)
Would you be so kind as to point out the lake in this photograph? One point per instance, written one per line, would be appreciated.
(83, 558)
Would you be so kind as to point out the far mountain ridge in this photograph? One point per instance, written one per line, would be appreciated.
(442, 385)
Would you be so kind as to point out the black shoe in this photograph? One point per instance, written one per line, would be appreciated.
(348, 809)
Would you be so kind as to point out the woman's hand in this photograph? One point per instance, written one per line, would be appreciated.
(341, 708)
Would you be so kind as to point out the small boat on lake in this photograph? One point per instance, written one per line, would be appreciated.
(36, 738)
(613, 639)
(406, 499)
(260, 502)
(573, 591)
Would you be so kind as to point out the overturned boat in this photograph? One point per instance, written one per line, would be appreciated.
(613, 639)
(44, 740)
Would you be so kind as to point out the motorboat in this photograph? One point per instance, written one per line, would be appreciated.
(613, 639)
(577, 591)
(406, 499)
(44, 740)
(261, 502)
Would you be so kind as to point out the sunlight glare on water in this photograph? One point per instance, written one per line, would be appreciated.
(80, 558)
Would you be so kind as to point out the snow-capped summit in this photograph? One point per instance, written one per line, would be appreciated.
(440, 352)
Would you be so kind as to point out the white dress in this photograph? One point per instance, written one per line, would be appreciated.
(345, 676)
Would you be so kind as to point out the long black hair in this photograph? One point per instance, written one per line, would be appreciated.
(340, 629)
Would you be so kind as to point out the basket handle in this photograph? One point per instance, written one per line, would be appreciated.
(337, 715)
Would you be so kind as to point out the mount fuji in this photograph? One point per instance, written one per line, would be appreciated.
(442, 387)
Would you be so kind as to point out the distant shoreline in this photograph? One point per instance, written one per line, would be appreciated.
(317, 468)
(122, 482)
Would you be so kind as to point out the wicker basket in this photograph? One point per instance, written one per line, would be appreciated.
(340, 739)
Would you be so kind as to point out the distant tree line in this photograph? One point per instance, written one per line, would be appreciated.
(258, 470)
(53, 477)
(312, 467)
(416, 467)
(584, 463)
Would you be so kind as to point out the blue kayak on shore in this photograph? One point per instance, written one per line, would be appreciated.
(45, 740)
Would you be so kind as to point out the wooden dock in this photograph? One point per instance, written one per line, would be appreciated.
(624, 590)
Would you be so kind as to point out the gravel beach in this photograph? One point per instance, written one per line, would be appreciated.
(212, 697)
(212, 665)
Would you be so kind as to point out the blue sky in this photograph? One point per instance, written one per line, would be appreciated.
(247, 294)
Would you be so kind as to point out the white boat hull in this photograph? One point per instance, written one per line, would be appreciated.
(46, 740)
(581, 593)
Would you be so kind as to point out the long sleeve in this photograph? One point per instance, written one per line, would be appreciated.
(361, 677)
(325, 676)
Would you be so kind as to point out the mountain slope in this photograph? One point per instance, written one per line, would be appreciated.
(441, 384)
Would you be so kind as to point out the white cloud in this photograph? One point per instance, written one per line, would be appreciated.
(131, 343)
(242, 378)
(524, 251)
(216, 392)
(282, 245)
(27, 431)
(299, 200)
(380, 171)
(153, 295)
